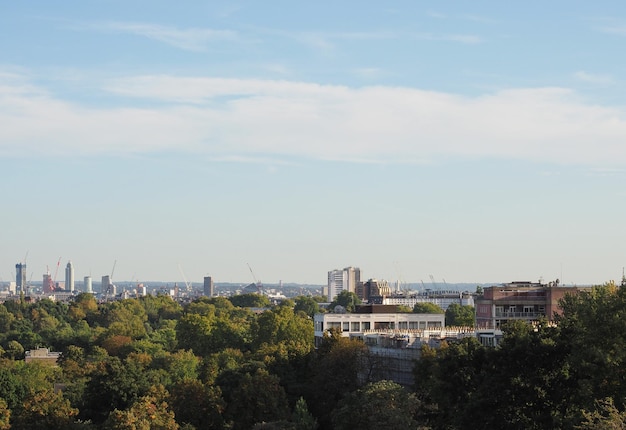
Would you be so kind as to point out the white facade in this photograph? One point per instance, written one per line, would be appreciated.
(442, 300)
(69, 276)
(87, 284)
(357, 324)
(343, 280)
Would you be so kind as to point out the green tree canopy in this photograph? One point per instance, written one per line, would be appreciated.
(427, 308)
(382, 404)
(460, 316)
(348, 300)
(250, 300)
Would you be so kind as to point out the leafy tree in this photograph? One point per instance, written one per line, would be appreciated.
(302, 418)
(347, 299)
(125, 318)
(11, 388)
(206, 334)
(115, 384)
(252, 396)
(282, 325)
(336, 372)
(403, 309)
(6, 319)
(382, 404)
(84, 306)
(160, 307)
(605, 417)
(14, 350)
(44, 409)
(5, 415)
(150, 412)
(250, 300)
(427, 308)
(460, 316)
(308, 305)
(198, 404)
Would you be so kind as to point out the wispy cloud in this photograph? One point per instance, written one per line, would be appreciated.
(594, 78)
(619, 29)
(467, 39)
(191, 39)
(241, 119)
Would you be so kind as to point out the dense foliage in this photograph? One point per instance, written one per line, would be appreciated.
(570, 374)
(216, 363)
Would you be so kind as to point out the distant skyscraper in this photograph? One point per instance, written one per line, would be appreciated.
(69, 276)
(107, 286)
(208, 286)
(343, 280)
(88, 287)
(20, 277)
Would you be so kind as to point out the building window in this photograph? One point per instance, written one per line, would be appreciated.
(403, 325)
(366, 325)
(332, 325)
(346, 326)
(528, 309)
(356, 326)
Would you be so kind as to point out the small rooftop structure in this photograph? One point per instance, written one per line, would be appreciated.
(42, 355)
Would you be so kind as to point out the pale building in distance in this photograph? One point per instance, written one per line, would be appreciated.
(208, 286)
(346, 279)
(87, 284)
(69, 276)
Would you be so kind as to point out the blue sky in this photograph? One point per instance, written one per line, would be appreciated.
(472, 141)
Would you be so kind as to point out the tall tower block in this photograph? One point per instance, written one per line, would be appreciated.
(69, 276)
(87, 283)
(208, 286)
(20, 277)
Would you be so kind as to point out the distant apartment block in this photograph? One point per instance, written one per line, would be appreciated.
(519, 300)
(208, 286)
(343, 280)
(372, 288)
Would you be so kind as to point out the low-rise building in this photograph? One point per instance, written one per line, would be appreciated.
(519, 300)
(373, 318)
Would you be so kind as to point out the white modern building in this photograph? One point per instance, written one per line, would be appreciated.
(357, 325)
(87, 284)
(441, 299)
(343, 280)
(69, 276)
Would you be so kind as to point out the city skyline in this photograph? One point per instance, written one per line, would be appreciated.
(470, 142)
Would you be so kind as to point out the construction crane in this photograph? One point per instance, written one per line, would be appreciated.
(113, 270)
(56, 272)
(258, 283)
(432, 278)
(187, 284)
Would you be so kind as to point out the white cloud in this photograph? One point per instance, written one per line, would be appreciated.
(239, 119)
(191, 39)
(594, 78)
